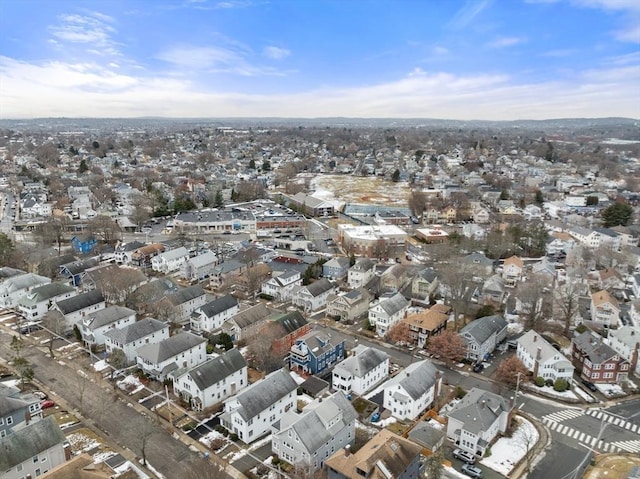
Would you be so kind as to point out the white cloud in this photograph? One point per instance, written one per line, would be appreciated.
(93, 29)
(85, 89)
(276, 53)
(503, 42)
(467, 14)
(630, 34)
(233, 4)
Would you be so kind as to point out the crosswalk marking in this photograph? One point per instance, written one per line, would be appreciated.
(632, 446)
(616, 421)
(564, 415)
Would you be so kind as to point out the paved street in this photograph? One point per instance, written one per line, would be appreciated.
(119, 421)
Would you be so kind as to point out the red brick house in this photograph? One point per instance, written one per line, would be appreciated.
(596, 361)
(287, 328)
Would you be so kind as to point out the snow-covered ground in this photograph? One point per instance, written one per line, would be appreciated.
(131, 384)
(610, 390)
(507, 451)
(568, 394)
(100, 365)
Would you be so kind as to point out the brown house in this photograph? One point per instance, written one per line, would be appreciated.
(291, 326)
(427, 323)
(142, 256)
(596, 361)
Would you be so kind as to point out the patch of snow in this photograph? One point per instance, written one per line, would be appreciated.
(568, 394)
(81, 443)
(297, 378)
(386, 422)
(99, 457)
(507, 451)
(131, 384)
(155, 471)
(610, 390)
(100, 365)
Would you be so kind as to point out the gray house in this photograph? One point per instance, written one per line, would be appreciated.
(96, 324)
(483, 335)
(75, 309)
(130, 338)
(184, 302)
(17, 410)
(336, 268)
(324, 426)
(213, 314)
(32, 451)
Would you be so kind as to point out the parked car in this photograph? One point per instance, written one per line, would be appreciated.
(47, 404)
(472, 471)
(39, 395)
(464, 456)
(589, 385)
(478, 367)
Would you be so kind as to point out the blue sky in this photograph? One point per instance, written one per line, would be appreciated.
(453, 59)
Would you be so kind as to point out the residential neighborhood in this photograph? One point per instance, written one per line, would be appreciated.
(281, 302)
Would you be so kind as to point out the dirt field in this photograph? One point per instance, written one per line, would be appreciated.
(363, 189)
(612, 467)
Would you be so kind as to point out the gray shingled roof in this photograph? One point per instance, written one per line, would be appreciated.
(363, 362)
(218, 305)
(318, 287)
(482, 328)
(593, 346)
(259, 396)
(28, 442)
(394, 304)
(426, 435)
(108, 316)
(81, 301)
(216, 369)
(478, 410)
(46, 291)
(155, 353)
(415, 379)
(291, 321)
(250, 316)
(135, 331)
(9, 404)
(186, 294)
(79, 266)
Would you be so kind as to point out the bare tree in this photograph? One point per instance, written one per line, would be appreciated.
(508, 371)
(526, 440)
(458, 280)
(143, 430)
(104, 228)
(117, 359)
(400, 333)
(448, 345)
(203, 468)
(433, 467)
(55, 324)
(566, 304)
(417, 203)
(141, 209)
(265, 354)
(534, 300)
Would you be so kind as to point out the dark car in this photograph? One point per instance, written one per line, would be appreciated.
(478, 367)
(589, 385)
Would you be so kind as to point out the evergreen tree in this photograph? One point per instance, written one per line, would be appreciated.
(219, 200)
(396, 176)
(617, 214)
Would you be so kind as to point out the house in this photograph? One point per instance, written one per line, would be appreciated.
(362, 371)
(360, 273)
(424, 284)
(314, 353)
(179, 351)
(493, 290)
(95, 325)
(170, 261)
(604, 309)
(227, 272)
(115, 282)
(476, 420)
(210, 316)
(246, 323)
(33, 450)
(608, 278)
(427, 435)
(596, 361)
(145, 298)
(288, 328)
(76, 308)
(211, 382)
(311, 205)
(75, 270)
(130, 338)
(373, 241)
(249, 282)
(532, 212)
(84, 244)
(483, 335)
(542, 359)
(350, 306)
(124, 251)
(512, 271)
(16, 286)
(307, 439)
(385, 456)
(626, 342)
(184, 302)
(481, 215)
(427, 323)
(313, 296)
(199, 267)
(412, 390)
(17, 410)
(143, 256)
(251, 413)
(35, 304)
(386, 312)
(479, 261)
(336, 268)
(280, 287)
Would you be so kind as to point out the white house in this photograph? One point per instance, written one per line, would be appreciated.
(386, 312)
(604, 309)
(170, 261)
(130, 338)
(95, 325)
(313, 296)
(184, 302)
(35, 304)
(483, 335)
(76, 308)
(179, 351)
(361, 273)
(476, 420)
(412, 390)
(309, 438)
(213, 381)
(542, 359)
(281, 287)
(211, 316)
(13, 288)
(362, 371)
(199, 267)
(251, 413)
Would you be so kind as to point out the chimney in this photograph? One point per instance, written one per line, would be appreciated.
(538, 353)
(483, 403)
(347, 450)
(535, 338)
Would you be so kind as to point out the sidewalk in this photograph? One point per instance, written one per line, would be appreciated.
(525, 465)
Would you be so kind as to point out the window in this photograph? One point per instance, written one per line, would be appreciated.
(609, 366)
(35, 459)
(9, 420)
(607, 375)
